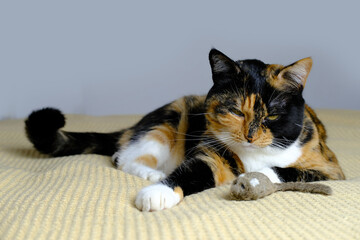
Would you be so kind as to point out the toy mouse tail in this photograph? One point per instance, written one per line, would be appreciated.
(305, 187)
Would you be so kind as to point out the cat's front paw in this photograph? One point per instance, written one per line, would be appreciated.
(156, 197)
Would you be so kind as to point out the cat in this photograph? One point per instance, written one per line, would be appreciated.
(253, 119)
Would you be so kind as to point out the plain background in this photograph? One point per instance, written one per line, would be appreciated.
(117, 57)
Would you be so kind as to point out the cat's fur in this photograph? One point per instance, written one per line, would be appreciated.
(254, 119)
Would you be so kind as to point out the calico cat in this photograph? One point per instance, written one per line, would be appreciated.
(253, 119)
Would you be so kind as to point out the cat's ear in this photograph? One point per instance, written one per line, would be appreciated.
(221, 64)
(293, 77)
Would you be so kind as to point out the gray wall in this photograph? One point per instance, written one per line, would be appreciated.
(121, 58)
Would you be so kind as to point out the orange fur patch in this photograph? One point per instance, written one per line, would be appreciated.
(148, 160)
(298, 70)
(164, 134)
(248, 106)
(124, 140)
(263, 138)
(271, 75)
(178, 190)
(239, 163)
(222, 171)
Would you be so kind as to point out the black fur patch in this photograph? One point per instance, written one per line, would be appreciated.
(196, 126)
(297, 175)
(307, 133)
(193, 176)
(157, 117)
(42, 129)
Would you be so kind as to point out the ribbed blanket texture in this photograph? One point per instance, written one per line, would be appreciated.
(85, 197)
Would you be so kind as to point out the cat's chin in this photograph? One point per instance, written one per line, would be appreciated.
(249, 146)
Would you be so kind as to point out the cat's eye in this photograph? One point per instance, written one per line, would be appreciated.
(272, 117)
(237, 112)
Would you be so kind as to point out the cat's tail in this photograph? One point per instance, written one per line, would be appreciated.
(43, 130)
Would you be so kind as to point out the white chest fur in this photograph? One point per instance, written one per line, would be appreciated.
(256, 159)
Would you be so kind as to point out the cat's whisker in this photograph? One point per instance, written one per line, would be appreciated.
(279, 145)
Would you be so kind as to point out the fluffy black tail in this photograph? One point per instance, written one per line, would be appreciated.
(43, 130)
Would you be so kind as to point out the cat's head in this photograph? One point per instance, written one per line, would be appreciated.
(255, 105)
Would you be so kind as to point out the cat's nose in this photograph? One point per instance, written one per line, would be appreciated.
(249, 139)
(252, 132)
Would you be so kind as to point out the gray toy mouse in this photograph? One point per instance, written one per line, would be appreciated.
(255, 185)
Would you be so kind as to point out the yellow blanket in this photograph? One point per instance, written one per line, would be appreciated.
(85, 197)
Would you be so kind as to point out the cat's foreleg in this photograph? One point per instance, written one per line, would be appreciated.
(291, 174)
(144, 159)
(190, 177)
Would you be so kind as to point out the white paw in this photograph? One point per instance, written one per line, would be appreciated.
(156, 197)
